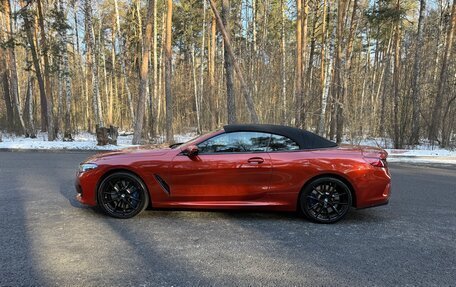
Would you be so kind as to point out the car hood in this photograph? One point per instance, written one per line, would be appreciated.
(138, 151)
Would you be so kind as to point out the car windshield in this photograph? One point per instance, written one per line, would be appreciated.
(193, 140)
(175, 145)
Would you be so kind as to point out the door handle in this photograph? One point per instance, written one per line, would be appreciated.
(255, 160)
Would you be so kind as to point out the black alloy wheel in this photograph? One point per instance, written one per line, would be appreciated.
(326, 200)
(122, 195)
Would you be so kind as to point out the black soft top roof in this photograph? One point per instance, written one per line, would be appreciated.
(305, 139)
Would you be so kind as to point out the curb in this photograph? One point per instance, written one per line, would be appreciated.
(423, 157)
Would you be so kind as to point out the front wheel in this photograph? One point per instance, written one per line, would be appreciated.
(326, 200)
(122, 195)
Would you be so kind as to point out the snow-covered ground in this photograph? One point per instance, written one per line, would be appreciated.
(82, 141)
(424, 153)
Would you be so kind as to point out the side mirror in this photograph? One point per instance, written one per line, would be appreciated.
(191, 150)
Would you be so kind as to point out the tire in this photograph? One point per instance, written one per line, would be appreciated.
(325, 200)
(122, 195)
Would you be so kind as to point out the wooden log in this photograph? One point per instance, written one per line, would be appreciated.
(107, 135)
(113, 134)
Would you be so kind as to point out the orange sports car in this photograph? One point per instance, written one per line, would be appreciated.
(267, 167)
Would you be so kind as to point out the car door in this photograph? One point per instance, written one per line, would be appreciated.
(229, 167)
(290, 166)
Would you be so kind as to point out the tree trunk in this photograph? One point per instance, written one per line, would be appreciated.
(161, 97)
(301, 112)
(140, 26)
(47, 80)
(438, 103)
(298, 68)
(94, 63)
(76, 30)
(347, 69)
(113, 94)
(254, 28)
(346, 72)
(309, 72)
(6, 89)
(28, 110)
(168, 74)
(195, 91)
(58, 116)
(416, 91)
(396, 82)
(283, 63)
(321, 120)
(36, 63)
(144, 75)
(230, 96)
(227, 46)
(68, 96)
(77, 60)
(254, 57)
(87, 89)
(18, 120)
(154, 95)
(329, 76)
(105, 74)
(338, 87)
(123, 69)
(383, 82)
(201, 83)
(212, 99)
(447, 129)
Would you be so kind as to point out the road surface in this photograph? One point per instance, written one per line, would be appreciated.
(49, 239)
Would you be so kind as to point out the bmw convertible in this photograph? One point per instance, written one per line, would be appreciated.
(265, 167)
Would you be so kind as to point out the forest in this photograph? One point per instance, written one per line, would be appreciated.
(344, 69)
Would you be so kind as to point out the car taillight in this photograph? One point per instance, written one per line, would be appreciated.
(377, 162)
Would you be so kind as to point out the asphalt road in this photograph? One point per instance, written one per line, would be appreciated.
(48, 239)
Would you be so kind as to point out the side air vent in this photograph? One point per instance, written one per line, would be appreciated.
(162, 183)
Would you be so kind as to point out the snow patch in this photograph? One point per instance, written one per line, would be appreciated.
(82, 141)
(424, 153)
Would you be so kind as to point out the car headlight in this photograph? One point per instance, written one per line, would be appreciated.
(83, 167)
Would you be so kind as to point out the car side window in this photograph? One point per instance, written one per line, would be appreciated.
(236, 142)
(282, 143)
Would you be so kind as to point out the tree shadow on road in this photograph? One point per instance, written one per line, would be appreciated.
(18, 263)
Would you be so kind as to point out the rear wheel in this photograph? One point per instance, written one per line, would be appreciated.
(122, 195)
(326, 200)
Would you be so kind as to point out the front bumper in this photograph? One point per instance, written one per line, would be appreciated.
(86, 186)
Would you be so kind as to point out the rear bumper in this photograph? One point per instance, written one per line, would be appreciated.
(375, 205)
(374, 189)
